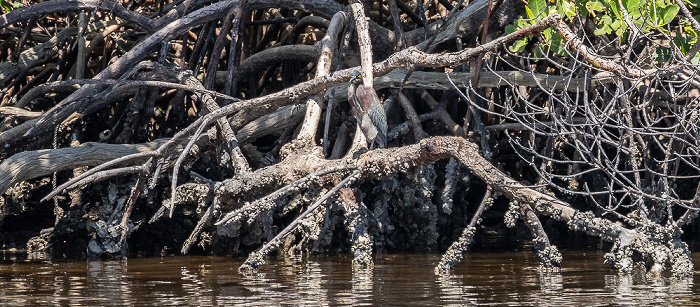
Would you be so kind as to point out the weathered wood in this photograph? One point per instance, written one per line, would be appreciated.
(38, 163)
(439, 81)
(589, 126)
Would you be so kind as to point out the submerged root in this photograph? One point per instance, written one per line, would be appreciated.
(459, 247)
(357, 224)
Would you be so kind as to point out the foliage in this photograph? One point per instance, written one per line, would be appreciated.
(9, 6)
(611, 17)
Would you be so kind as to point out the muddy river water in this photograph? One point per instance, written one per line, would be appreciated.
(509, 278)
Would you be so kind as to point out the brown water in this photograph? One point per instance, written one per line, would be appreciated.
(406, 279)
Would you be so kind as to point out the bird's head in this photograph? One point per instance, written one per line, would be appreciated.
(356, 77)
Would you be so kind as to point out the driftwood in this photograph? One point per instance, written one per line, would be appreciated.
(248, 154)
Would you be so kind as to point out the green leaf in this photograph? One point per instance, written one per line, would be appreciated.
(682, 42)
(581, 8)
(692, 4)
(6, 5)
(617, 24)
(537, 8)
(696, 59)
(522, 24)
(529, 14)
(633, 8)
(547, 35)
(603, 30)
(558, 45)
(519, 45)
(606, 20)
(663, 54)
(595, 6)
(11, 6)
(615, 8)
(538, 53)
(567, 9)
(668, 13)
(511, 28)
(619, 32)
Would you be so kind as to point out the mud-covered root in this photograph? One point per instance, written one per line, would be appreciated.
(453, 255)
(257, 258)
(357, 224)
(452, 174)
(270, 202)
(650, 255)
(651, 247)
(681, 261)
(548, 255)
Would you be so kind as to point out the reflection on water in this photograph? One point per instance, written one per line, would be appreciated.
(407, 279)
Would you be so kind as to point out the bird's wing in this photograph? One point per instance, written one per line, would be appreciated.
(378, 117)
(365, 98)
(351, 92)
(368, 128)
(353, 99)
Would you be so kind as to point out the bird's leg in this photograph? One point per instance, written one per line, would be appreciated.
(360, 160)
(364, 155)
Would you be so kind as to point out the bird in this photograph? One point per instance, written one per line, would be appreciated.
(368, 110)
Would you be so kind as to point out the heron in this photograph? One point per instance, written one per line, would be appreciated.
(368, 110)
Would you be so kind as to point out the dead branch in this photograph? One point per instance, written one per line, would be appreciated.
(23, 166)
(55, 6)
(454, 254)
